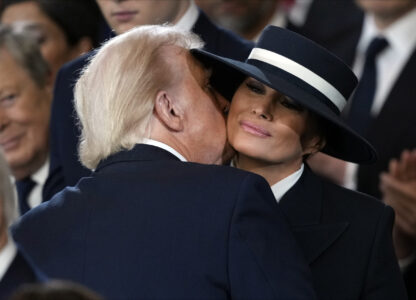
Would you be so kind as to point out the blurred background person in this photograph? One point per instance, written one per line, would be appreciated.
(54, 290)
(398, 187)
(14, 270)
(64, 29)
(25, 99)
(65, 168)
(247, 17)
(332, 24)
(382, 108)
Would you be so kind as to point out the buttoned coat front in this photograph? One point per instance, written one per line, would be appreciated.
(346, 239)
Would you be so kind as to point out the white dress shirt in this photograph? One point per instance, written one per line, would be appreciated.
(401, 37)
(281, 187)
(7, 255)
(164, 147)
(39, 177)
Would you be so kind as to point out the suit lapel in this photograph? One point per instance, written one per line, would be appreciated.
(398, 103)
(302, 206)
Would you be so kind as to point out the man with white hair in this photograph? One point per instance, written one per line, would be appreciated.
(159, 217)
(65, 168)
(14, 270)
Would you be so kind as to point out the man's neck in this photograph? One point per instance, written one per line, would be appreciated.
(183, 6)
(27, 170)
(384, 21)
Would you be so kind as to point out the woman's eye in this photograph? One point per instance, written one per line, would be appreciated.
(289, 103)
(255, 87)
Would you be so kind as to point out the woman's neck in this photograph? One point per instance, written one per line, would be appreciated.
(272, 172)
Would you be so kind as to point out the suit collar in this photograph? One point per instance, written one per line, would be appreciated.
(299, 208)
(302, 206)
(140, 152)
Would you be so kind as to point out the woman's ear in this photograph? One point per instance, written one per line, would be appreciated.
(314, 145)
(168, 112)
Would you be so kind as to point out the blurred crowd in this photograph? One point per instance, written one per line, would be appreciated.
(46, 44)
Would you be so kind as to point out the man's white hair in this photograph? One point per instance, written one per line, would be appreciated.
(114, 97)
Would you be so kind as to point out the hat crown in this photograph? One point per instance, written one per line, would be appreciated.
(289, 47)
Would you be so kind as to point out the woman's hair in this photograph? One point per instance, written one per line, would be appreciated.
(114, 97)
(316, 127)
(76, 18)
(7, 195)
(24, 48)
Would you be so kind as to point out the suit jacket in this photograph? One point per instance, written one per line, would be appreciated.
(335, 25)
(346, 239)
(148, 226)
(65, 168)
(19, 273)
(393, 130)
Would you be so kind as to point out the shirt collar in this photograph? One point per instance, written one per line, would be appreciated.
(164, 147)
(7, 255)
(41, 174)
(281, 187)
(401, 35)
(188, 20)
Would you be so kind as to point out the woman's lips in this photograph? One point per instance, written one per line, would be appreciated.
(254, 129)
(124, 16)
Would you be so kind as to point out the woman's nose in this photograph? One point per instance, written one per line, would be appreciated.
(263, 112)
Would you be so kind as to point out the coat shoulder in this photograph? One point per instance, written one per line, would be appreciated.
(353, 204)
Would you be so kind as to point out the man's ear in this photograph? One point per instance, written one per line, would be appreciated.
(168, 112)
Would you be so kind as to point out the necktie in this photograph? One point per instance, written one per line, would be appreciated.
(359, 114)
(24, 187)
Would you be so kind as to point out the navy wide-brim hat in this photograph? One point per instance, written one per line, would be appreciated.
(307, 73)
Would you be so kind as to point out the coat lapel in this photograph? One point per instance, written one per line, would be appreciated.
(302, 206)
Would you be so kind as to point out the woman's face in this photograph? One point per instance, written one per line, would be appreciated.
(267, 126)
(52, 39)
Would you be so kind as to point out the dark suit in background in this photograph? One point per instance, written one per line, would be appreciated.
(65, 169)
(393, 130)
(335, 25)
(346, 238)
(18, 273)
(148, 226)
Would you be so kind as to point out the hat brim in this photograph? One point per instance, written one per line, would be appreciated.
(341, 141)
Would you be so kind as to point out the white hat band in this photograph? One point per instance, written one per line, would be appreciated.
(300, 72)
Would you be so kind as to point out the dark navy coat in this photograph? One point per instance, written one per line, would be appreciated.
(346, 238)
(65, 169)
(145, 225)
(18, 273)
